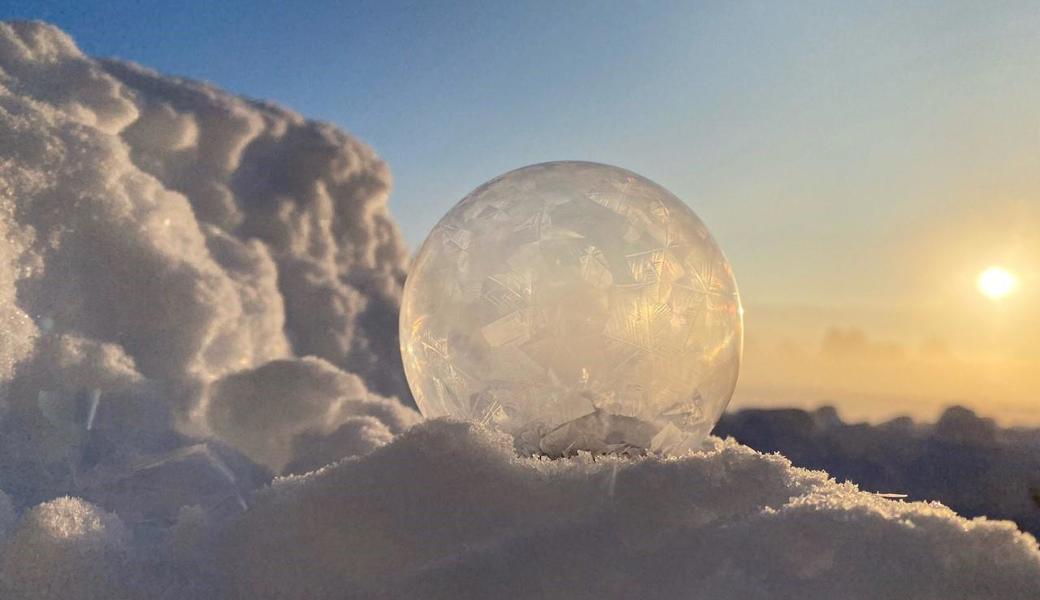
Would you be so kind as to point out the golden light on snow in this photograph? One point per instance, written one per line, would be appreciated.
(997, 283)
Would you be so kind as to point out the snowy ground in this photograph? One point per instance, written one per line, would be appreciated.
(199, 292)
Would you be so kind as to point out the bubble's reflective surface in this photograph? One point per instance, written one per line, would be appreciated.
(577, 306)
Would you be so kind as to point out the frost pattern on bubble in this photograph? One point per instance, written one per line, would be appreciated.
(577, 306)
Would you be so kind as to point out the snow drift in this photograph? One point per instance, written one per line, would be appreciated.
(199, 292)
(166, 246)
(449, 511)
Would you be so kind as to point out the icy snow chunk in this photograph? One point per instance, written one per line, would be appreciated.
(66, 548)
(262, 412)
(149, 492)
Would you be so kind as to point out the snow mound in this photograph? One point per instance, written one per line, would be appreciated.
(449, 511)
(63, 547)
(166, 248)
(268, 412)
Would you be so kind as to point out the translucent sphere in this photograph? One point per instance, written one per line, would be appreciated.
(577, 306)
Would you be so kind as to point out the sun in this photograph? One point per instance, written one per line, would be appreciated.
(997, 282)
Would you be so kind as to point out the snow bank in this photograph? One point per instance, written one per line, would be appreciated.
(166, 246)
(449, 511)
(198, 292)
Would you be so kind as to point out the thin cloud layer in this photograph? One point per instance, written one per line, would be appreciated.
(199, 292)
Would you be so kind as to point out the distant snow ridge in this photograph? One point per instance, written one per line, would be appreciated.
(964, 461)
(199, 292)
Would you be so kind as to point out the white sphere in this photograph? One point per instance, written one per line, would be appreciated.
(577, 306)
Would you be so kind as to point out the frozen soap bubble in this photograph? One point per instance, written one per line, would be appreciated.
(577, 306)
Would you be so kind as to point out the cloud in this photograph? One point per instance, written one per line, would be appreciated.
(871, 377)
(852, 343)
(200, 292)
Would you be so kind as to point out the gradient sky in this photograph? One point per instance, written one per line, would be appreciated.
(859, 164)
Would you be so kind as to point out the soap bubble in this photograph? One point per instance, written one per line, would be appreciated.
(576, 306)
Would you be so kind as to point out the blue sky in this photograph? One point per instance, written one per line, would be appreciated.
(860, 163)
(824, 145)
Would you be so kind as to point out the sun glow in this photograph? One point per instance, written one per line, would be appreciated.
(997, 283)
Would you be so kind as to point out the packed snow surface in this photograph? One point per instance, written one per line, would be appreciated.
(198, 365)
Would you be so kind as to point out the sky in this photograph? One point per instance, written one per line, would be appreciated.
(860, 163)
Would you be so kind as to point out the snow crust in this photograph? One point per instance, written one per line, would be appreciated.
(199, 292)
